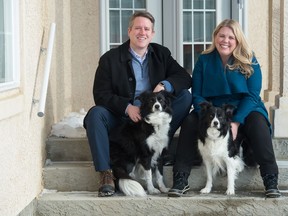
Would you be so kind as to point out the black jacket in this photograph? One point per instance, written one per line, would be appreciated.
(114, 84)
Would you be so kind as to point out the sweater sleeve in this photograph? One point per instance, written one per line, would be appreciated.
(252, 99)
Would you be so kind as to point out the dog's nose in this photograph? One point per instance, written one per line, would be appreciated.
(157, 106)
(215, 123)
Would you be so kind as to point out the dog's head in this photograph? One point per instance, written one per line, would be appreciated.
(152, 102)
(216, 119)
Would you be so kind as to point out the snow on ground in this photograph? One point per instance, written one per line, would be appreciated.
(70, 126)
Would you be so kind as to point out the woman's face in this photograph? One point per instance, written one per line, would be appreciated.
(225, 42)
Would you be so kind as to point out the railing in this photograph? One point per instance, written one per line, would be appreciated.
(43, 95)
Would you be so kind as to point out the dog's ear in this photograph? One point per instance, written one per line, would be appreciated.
(142, 97)
(229, 110)
(205, 105)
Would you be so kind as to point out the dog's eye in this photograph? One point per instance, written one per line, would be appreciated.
(160, 99)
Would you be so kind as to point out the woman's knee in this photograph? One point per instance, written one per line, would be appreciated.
(190, 121)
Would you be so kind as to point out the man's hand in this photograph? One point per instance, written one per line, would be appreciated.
(159, 88)
(133, 113)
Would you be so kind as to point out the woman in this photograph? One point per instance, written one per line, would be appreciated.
(228, 73)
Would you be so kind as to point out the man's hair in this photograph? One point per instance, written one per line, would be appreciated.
(141, 14)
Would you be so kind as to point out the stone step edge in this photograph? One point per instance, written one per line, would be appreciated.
(82, 203)
(49, 163)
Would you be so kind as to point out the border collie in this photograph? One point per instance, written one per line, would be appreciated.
(136, 148)
(216, 145)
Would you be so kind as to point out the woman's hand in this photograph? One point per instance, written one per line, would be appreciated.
(133, 113)
(234, 129)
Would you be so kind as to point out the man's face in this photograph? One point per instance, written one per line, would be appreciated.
(141, 33)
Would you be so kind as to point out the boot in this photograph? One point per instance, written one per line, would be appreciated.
(180, 184)
(107, 186)
(271, 185)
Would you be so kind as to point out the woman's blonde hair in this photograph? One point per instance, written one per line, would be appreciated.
(242, 53)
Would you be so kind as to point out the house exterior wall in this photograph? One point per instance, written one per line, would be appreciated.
(75, 57)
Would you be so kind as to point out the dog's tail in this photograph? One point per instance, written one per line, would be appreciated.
(131, 188)
(239, 164)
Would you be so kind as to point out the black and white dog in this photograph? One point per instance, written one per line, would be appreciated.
(216, 145)
(135, 148)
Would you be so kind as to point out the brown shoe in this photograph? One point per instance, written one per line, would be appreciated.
(107, 186)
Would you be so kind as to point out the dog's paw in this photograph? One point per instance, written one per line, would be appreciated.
(154, 191)
(230, 192)
(205, 190)
(164, 189)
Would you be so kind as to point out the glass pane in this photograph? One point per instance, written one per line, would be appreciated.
(2, 44)
(125, 20)
(187, 28)
(187, 55)
(187, 4)
(140, 4)
(127, 4)
(210, 25)
(114, 4)
(198, 27)
(114, 26)
(198, 48)
(198, 4)
(210, 4)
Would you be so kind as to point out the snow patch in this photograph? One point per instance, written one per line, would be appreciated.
(70, 126)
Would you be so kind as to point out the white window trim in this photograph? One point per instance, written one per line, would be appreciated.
(13, 66)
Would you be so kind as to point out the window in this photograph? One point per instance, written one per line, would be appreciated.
(199, 20)
(115, 16)
(119, 14)
(9, 45)
(193, 22)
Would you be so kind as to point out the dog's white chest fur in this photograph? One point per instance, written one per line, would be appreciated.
(215, 150)
(158, 140)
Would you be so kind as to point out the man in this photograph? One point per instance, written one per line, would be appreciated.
(122, 74)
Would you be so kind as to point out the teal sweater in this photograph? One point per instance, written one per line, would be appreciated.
(212, 82)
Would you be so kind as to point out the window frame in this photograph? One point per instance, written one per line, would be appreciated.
(11, 17)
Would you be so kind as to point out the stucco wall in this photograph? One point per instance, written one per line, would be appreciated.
(22, 133)
(74, 60)
(258, 34)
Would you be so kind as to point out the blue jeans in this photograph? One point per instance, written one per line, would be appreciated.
(99, 121)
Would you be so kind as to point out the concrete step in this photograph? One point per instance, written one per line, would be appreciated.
(77, 149)
(81, 176)
(88, 204)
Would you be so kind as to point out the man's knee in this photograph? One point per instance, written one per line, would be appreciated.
(94, 115)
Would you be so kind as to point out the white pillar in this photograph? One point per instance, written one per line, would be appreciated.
(281, 112)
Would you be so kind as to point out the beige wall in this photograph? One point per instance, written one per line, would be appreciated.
(75, 58)
(258, 34)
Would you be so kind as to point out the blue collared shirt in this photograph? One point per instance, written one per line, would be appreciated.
(140, 68)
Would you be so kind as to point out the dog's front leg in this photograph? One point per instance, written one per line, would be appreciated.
(160, 182)
(231, 175)
(148, 179)
(209, 168)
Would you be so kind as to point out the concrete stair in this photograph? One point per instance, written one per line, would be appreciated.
(71, 185)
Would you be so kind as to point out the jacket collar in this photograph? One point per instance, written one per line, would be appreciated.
(126, 55)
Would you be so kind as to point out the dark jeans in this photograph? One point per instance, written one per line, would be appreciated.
(99, 121)
(255, 130)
